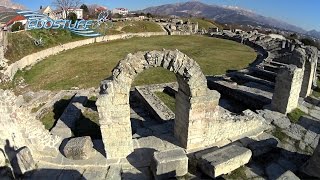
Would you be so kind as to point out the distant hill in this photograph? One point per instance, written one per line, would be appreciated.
(221, 14)
(314, 33)
(6, 14)
(11, 4)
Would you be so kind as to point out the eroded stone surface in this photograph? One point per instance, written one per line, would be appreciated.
(224, 160)
(169, 164)
(79, 148)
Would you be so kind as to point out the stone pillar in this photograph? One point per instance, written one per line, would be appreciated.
(287, 89)
(309, 71)
(283, 44)
(193, 116)
(196, 27)
(114, 113)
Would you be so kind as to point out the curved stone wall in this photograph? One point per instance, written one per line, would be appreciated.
(32, 59)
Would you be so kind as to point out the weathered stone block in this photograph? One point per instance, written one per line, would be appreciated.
(169, 164)
(114, 173)
(288, 175)
(24, 161)
(79, 148)
(224, 160)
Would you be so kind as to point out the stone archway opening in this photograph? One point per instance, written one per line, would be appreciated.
(196, 105)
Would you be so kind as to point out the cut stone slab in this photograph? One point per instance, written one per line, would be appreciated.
(224, 160)
(24, 161)
(262, 147)
(283, 122)
(295, 131)
(79, 148)
(288, 175)
(114, 173)
(169, 164)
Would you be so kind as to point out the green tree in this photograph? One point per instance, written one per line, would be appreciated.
(310, 42)
(86, 12)
(17, 26)
(85, 8)
(72, 16)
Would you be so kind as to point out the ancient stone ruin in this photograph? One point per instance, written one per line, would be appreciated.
(197, 121)
(211, 133)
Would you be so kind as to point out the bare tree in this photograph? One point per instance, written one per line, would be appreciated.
(66, 4)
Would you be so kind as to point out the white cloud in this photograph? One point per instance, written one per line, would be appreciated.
(10, 4)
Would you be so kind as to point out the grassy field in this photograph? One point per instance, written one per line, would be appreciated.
(203, 23)
(86, 66)
(131, 27)
(21, 43)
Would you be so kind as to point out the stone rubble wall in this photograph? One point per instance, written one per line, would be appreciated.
(277, 53)
(18, 128)
(34, 58)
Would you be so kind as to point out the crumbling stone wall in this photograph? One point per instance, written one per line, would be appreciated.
(287, 89)
(2, 48)
(18, 128)
(195, 103)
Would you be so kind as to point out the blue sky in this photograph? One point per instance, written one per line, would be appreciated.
(303, 13)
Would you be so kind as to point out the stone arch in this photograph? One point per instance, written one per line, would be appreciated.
(195, 103)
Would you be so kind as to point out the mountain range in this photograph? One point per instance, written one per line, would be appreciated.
(225, 15)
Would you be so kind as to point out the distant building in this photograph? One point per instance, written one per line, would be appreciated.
(49, 12)
(277, 36)
(64, 14)
(122, 11)
(100, 9)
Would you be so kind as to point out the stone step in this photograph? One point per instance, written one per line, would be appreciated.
(270, 67)
(238, 76)
(263, 74)
(278, 64)
(252, 97)
(224, 160)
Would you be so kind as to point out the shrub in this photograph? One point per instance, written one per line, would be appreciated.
(17, 26)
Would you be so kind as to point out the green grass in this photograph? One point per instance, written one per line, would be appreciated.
(295, 115)
(237, 174)
(36, 109)
(131, 27)
(88, 125)
(167, 100)
(279, 134)
(316, 92)
(21, 44)
(86, 66)
(49, 119)
(203, 23)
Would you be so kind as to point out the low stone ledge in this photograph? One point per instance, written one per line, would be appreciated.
(224, 160)
(169, 164)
